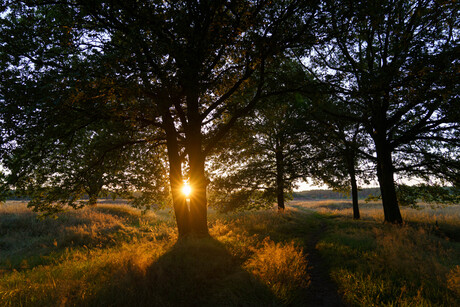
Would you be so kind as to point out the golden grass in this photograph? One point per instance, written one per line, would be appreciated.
(282, 267)
(375, 264)
(114, 255)
(453, 280)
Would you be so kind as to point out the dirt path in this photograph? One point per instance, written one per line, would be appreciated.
(322, 290)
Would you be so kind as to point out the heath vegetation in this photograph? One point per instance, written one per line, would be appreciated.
(115, 255)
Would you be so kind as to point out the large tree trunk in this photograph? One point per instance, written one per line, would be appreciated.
(93, 191)
(198, 180)
(181, 210)
(92, 200)
(354, 190)
(350, 158)
(279, 178)
(387, 185)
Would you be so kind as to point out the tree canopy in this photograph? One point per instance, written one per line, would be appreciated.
(267, 152)
(169, 71)
(394, 64)
(135, 96)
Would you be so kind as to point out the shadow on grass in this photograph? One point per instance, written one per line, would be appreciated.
(194, 272)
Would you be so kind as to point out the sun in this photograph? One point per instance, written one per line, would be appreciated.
(186, 189)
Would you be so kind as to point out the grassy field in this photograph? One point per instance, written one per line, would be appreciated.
(112, 255)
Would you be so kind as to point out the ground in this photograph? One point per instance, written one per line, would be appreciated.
(322, 290)
(314, 254)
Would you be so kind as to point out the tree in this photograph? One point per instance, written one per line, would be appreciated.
(58, 172)
(395, 64)
(434, 194)
(338, 153)
(167, 70)
(266, 154)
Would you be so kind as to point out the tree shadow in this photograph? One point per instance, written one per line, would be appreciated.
(194, 272)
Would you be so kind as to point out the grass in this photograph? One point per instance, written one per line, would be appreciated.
(112, 255)
(375, 264)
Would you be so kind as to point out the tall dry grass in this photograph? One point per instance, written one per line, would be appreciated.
(375, 264)
(114, 255)
(283, 267)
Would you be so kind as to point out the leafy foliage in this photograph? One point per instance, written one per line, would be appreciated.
(124, 97)
(132, 79)
(393, 63)
(268, 151)
(435, 194)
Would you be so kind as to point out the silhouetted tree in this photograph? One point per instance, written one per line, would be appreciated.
(167, 70)
(395, 64)
(339, 155)
(264, 156)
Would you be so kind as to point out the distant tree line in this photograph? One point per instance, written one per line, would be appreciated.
(329, 194)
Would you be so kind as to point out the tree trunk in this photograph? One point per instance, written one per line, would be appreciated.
(181, 210)
(198, 180)
(387, 185)
(93, 190)
(354, 191)
(280, 178)
(350, 160)
(92, 201)
(198, 198)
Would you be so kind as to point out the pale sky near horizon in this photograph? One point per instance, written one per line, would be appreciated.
(305, 186)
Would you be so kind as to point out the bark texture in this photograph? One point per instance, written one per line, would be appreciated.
(350, 160)
(385, 174)
(280, 179)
